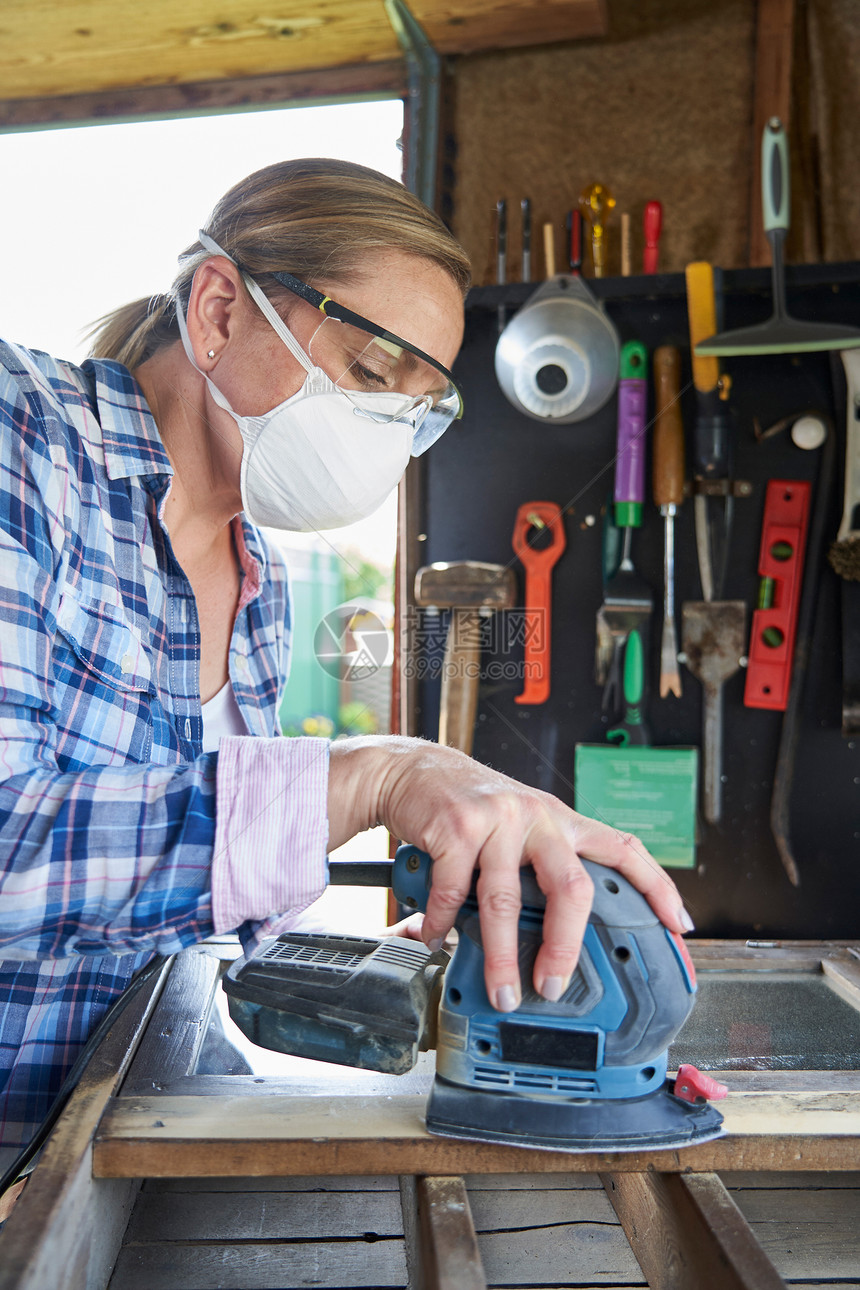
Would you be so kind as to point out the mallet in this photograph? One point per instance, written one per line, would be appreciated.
(465, 587)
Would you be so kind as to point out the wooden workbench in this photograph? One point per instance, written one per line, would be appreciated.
(157, 1178)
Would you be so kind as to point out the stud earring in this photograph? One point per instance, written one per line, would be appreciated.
(211, 354)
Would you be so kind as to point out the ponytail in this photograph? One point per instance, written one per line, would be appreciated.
(314, 218)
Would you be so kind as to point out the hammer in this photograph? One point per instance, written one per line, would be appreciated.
(465, 587)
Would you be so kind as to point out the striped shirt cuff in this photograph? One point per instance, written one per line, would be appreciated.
(271, 830)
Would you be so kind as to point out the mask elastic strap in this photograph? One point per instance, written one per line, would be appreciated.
(219, 398)
(263, 304)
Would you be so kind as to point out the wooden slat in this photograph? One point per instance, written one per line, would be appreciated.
(67, 1225)
(688, 1234)
(779, 1081)
(451, 1259)
(411, 544)
(475, 1183)
(260, 1266)
(267, 1216)
(844, 976)
(772, 89)
(173, 1039)
(811, 1234)
(781, 956)
(187, 1136)
(545, 1236)
(846, 1181)
(408, 1188)
(244, 1186)
(56, 48)
(329, 85)
(369, 1084)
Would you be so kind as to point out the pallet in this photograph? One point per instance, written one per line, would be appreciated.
(160, 1178)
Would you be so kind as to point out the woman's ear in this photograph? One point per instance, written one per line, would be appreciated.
(211, 305)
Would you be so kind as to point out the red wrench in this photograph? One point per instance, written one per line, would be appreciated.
(533, 518)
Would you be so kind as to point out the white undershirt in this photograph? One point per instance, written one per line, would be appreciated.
(221, 716)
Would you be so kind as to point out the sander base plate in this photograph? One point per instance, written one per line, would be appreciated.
(657, 1120)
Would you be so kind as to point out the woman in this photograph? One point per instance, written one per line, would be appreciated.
(302, 354)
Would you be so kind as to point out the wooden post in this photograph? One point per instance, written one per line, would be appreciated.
(772, 97)
(67, 1227)
(688, 1234)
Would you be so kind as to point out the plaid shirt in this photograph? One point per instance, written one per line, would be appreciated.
(118, 835)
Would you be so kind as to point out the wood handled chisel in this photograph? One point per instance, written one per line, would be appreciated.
(712, 491)
(668, 488)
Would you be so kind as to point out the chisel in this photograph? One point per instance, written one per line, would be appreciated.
(668, 484)
(712, 488)
(712, 629)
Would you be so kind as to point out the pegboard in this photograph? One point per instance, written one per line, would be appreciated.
(495, 459)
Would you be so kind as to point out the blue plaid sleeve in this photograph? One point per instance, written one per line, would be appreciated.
(106, 826)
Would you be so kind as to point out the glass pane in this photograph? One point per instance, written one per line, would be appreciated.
(768, 1021)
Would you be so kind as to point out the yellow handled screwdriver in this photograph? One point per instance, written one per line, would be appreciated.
(596, 202)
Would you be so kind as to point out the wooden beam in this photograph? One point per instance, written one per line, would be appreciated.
(57, 48)
(410, 556)
(844, 977)
(172, 1042)
(688, 1234)
(450, 1256)
(775, 956)
(167, 1136)
(67, 1226)
(772, 97)
(249, 93)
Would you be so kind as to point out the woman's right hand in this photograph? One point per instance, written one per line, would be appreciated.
(467, 816)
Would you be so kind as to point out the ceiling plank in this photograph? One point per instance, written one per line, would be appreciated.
(328, 85)
(56, 48)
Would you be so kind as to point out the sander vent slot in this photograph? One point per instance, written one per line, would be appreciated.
(522, 1080)
(344, 953)
(490, 1075)
(403, 956)
(501, 1078)
(576, 1085)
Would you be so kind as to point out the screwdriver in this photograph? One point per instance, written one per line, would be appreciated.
(652, 224)
(526, 211)
(501, 253)
(668, 486)
(596, 203)
(574, 242)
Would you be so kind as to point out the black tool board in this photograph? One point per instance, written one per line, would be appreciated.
(495, 459)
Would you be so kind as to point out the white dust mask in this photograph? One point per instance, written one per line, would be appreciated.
(313, 462)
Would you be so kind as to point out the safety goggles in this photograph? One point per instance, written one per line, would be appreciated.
(386, 377)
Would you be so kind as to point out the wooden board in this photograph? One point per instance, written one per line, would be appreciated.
(64, 1218)
(775, 20)
(171, 1136)
(685, 1230)
(55, 48)
(537, 1234)
(808, 1232)
(532, 1231)
(253, 1266)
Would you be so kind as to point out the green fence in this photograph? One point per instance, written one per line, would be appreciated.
(317, 586)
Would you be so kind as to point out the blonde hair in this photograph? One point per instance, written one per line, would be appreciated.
(313, 218)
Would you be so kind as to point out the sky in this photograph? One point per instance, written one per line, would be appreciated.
(96, 216)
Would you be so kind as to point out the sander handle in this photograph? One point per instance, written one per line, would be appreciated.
(360, 873)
